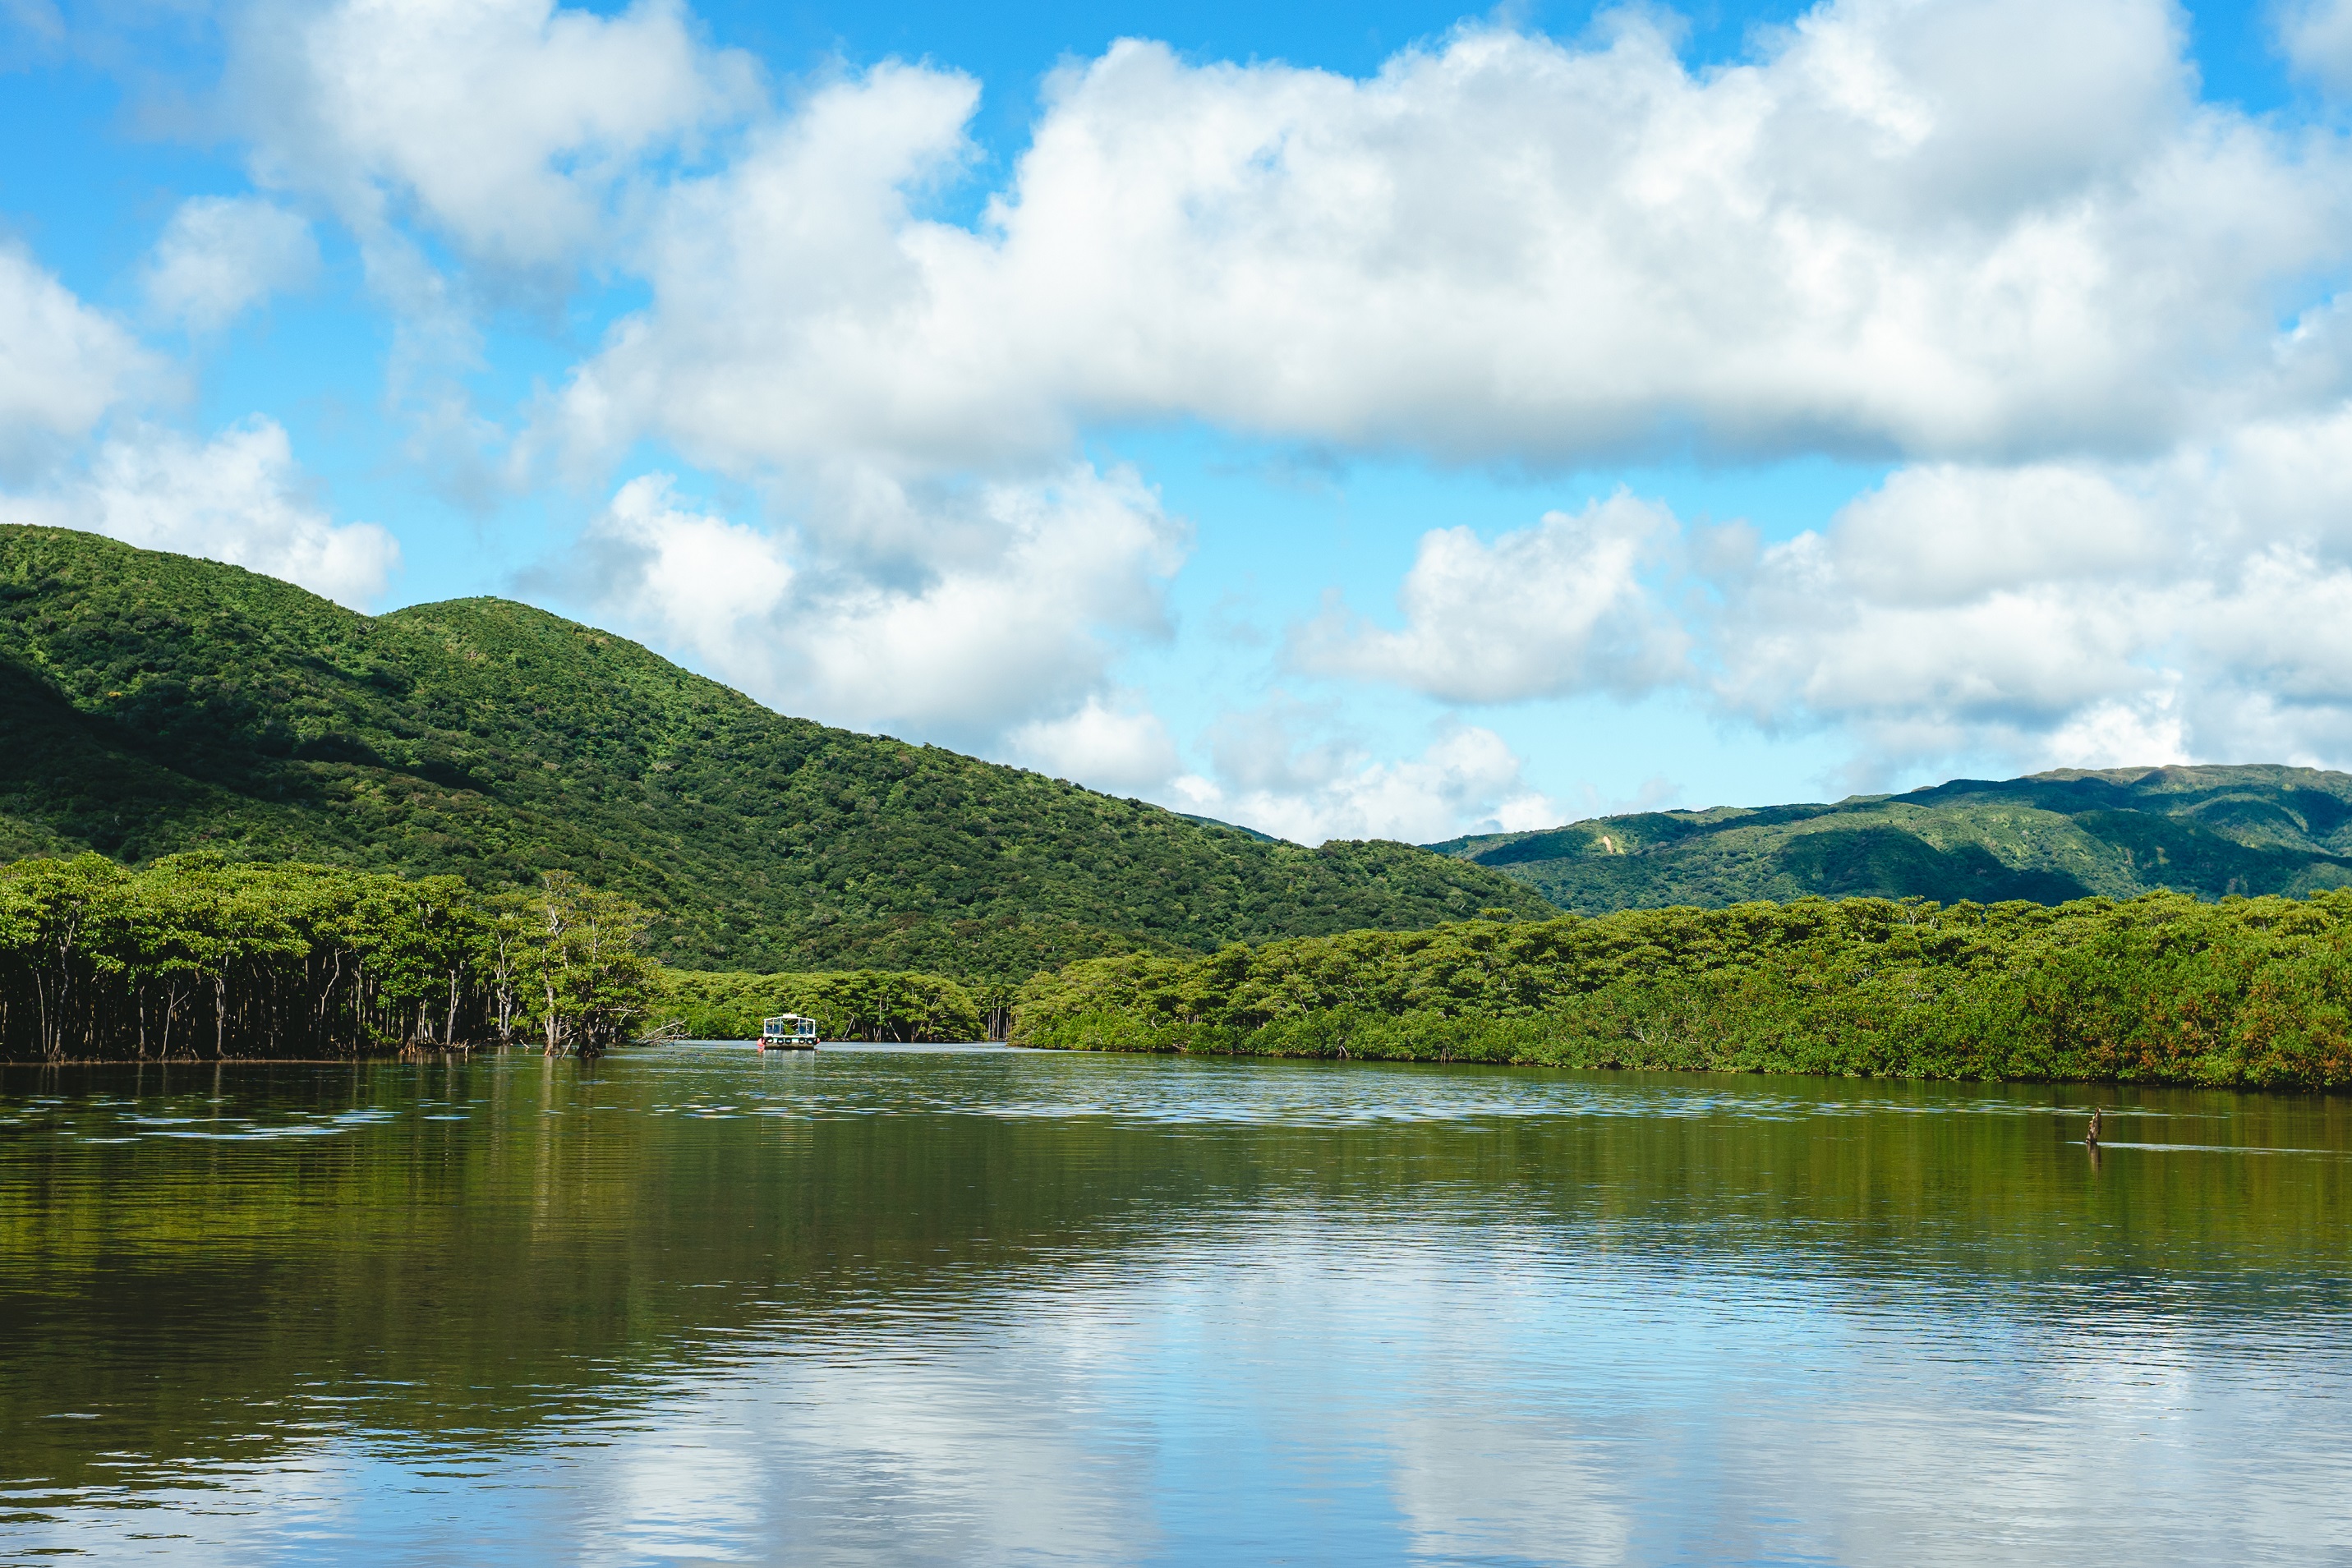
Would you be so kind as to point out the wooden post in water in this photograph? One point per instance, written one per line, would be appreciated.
(2092, 1137)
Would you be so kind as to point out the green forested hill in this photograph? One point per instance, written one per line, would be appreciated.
(2211, 831)
(150, 702)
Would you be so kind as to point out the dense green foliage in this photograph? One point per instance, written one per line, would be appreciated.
(2161, 988)
(195, 955)
(2212, 832)
(156, 703)
(860, 1004)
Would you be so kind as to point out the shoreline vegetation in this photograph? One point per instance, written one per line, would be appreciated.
(901, 1005)
(2159, 989)
(196, 958)
(199, 957)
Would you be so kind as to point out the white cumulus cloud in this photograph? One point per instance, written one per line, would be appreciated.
(2085, 611)
(505, 126)
(1979, 228)
(2196, 605)
(219, 256)
(1113, 742)
(62, 363)
(238, 497)
(1272, 773)
(1559, 608)
(1009, 624)
(773, 280)
(2317, 35)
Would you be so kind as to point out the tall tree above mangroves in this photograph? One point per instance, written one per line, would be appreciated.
(156, 703)
(2159, 989)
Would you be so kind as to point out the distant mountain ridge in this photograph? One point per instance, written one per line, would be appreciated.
(152, 702)
(2210, 831)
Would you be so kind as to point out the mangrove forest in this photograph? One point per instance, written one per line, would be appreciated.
(200, 955)
(2156, 989)
(197, 956)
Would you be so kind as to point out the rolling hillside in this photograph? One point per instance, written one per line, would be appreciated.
(2212, 832)
(151, 703)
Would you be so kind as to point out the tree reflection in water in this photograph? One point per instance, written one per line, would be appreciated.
(986, 1304)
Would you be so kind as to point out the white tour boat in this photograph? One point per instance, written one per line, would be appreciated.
(789, 1033)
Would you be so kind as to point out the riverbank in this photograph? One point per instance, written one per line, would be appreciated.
(198, 957)
(2254, 993)
(868, 1005)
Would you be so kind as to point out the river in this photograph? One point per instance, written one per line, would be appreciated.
(980, 1305)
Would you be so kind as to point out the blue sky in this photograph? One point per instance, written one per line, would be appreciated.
(1351, 421)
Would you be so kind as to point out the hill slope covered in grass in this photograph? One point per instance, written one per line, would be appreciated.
(2211, 831)
(153, 702)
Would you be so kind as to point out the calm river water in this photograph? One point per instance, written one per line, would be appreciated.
(988, 1306)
